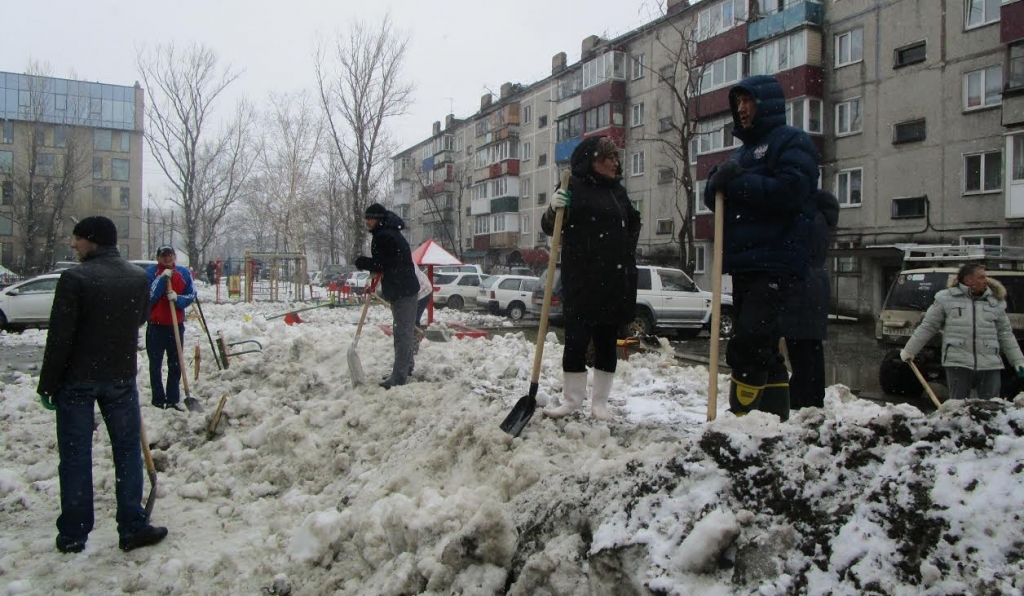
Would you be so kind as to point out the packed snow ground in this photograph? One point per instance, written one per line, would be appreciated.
(314, 487)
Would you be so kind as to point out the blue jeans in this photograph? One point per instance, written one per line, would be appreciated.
(160, 340)
(119, 405)
(421, 306)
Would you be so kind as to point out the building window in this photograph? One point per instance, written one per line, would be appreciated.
(638, 114)
(6, 163)
(983, 172)
(542, 198)
(908, 132)
(524, 224)
(7, 196)
(665, 124)
(126, 142)
(804, 113)
(121, 224)
(606, 67)
(638, 163)
(1015, 78)
(45, 164)
(97, 168)
(664, 226)
(848, 119)
(980, 12)
(848, 187)
(8, 132)
(846, 264)
(720, 18)
(6, 226)
(102, 140)
(542, 121)
(908, 207)
(126, 195)
(911, 54)
(698, 194)
(664, 176)
(599, 117)
(667, 73)
(527, 151)
(638, 66)
(849, 47)
(983, 87)
(1017, 167)
(984, 240)
(527, 114)
(542, 160)
(570, 127)
(60, 136)
(722, 73)
(715, 135)
(779, 55)
(525, 186)
(699, 258)
(119, 169)
(101, 197)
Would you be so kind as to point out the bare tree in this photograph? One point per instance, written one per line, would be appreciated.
(359, 92)
(208, 169)
(442, 190)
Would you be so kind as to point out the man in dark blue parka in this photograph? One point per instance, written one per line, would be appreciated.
(767, 183)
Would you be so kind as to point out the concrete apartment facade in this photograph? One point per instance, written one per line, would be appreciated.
(48, 122)
(917, 110)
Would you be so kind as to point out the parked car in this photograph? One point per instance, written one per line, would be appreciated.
(455, 289)
(332, 273)
(508, 294)
(143, 264)
(28, 303)
(459, 269)
(666, 299)
(357, 280)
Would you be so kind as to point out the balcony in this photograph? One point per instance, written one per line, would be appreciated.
(427, 165)
(1011, 22)
(443, 157)
(797, 15)
(563, 150)
(480, 207)
(504, 240)
(505, 205)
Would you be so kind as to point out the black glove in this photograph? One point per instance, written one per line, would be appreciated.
(726, 173)
(363, 263)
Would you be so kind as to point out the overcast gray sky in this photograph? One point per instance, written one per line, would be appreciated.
(457, 49)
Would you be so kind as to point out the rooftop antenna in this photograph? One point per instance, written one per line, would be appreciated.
(451, 104)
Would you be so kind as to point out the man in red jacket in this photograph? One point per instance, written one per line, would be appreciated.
(159, 332)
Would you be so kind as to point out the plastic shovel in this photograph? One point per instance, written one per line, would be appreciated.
(522, 412)
(191, 403)
(355, 367)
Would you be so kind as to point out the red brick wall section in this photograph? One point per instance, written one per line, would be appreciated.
(802, 80)
(704, 225)
(602, 94)
(1011, 22)
(710, 160)
(482, 242)
(616, 133)
(720, 46)
(711, 104)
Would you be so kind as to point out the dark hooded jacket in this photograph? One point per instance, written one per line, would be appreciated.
(765, 229)
(391, 256)
(599, 237)
(806, 313)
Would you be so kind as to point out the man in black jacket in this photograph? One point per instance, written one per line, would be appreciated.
(90, 359)
(392, 258)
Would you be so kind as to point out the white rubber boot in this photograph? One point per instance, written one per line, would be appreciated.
(574, 389)
(599, 398)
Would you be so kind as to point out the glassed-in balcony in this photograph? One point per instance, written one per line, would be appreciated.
(563, 150)
(793, 16)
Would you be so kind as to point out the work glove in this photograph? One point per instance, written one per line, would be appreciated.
(906, 356)
(1020, 372)
(47, 403)
(168, 273)
(726, 173)
(172, 296)
(363, 263)
(561, 199)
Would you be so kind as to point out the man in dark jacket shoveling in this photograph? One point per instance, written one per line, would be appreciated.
(392, 258)
(767, 184)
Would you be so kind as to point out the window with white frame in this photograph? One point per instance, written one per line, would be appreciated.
(638, 114)
(804, 113)
(980, 12)
(694, 148)
(1017, 166)
(849, 264)
(483, 225)
(526, 186)
(527, 151)
(524, 223)
(458, 143)
(721, 73)
(983, 172)
(1015, 77)
(716, 135)
(607, 66)
(848, 120)
(698, 192)
(779, 55)
(699, 258)
(982, 240)
(664, 226)
(527, 114)
(849, 47)
(720, 18)
(848, 187)
(638, 65)
(983, 87)
(638, 163)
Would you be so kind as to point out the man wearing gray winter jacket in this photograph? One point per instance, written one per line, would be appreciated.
(971, 313)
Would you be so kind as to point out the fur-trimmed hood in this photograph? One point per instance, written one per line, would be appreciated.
(995, 288)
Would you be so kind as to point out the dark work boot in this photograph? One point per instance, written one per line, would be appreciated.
(146, 536)
(775, 398)
(69, 545)
(745, 392)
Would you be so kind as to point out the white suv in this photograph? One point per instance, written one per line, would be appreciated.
(455, 289)
(508, 294)
(28, 304)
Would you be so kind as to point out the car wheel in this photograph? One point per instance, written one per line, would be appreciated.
(895, 376)
(516, 311)
(3, 321)
(726, 325)
(455, 301)
(643, 324)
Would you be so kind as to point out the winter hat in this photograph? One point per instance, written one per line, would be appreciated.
(165, 249)
(98, 229)
(587, 151)
(376, 211)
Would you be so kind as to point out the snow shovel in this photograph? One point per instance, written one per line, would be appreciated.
(355, 367)
(150, 467)
(924, 383)
(522, 412)
(716, 305)
(191, 403)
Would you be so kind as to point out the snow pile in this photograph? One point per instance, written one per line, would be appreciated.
(313, 487)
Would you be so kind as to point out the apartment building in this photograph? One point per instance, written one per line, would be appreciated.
(70, 146)
(918, 114)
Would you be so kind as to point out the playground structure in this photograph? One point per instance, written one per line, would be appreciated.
(282, 268)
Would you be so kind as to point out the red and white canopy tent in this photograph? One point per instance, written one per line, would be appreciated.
(431, 253)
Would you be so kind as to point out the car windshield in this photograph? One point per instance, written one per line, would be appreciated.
(915, 291)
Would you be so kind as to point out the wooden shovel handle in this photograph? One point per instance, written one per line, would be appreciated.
(716, 305)
(924, 383)
(549, 282)
(366, 307)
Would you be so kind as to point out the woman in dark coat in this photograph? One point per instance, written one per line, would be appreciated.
(599, 277)
(805, 318)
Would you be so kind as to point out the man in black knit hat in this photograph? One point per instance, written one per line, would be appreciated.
(90, 359)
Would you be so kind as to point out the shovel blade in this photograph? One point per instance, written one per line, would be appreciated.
(355, 367)
(151, 499)
(193, 405)
(521, 414)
